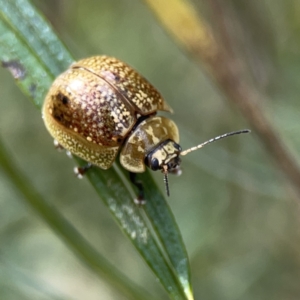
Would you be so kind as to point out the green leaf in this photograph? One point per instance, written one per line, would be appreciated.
(66, 231)
(164, 224)
(168, 232)
(34, 55)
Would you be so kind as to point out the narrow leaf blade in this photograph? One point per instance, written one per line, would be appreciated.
(34, 55)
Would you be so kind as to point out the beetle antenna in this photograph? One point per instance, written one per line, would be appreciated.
(165, 171)
(185, 152)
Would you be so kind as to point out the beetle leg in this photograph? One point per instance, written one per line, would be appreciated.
(58, 146)
(177, 171)
(80, 171)
(140, 200)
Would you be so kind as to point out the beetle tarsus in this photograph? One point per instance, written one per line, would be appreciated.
(140, 200)
(80, 171)
(69, 154)
(57, 145)
(176, 171)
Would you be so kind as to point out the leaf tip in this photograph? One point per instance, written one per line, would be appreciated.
(188, 292)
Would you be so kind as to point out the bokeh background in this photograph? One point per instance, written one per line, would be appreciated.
(238, 216)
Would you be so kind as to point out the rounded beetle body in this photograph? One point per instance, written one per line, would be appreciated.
(99, 105)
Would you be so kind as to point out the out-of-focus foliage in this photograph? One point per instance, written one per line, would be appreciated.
(238, 217)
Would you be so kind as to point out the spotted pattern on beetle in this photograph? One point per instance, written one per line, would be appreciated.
(96, 104)
(135, 88)
(145, 137)
(102, 157)
(91, 108)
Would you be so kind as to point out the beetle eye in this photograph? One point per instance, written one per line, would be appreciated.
(154, 164)
(177, 147)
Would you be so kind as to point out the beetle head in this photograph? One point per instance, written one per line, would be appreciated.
(164, 157)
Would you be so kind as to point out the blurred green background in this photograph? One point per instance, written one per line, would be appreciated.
(238, 217)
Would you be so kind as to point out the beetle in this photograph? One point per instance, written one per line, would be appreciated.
(101, 106)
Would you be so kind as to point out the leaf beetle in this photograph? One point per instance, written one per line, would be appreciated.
(101, 106)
